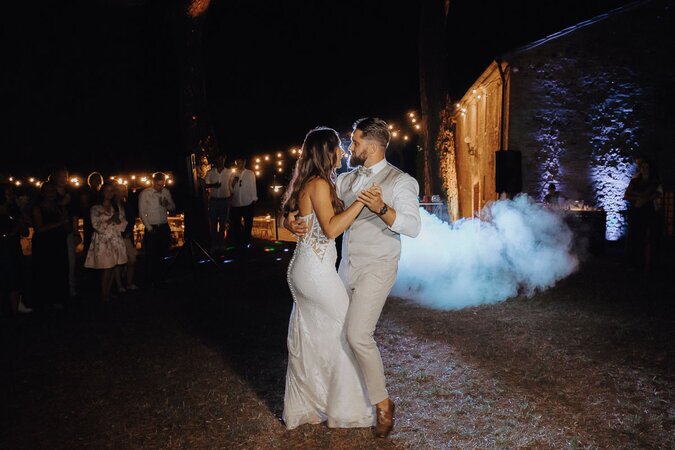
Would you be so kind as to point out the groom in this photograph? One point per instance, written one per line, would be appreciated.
(371, 248)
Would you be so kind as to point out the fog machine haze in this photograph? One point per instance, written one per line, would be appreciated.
(515, 247)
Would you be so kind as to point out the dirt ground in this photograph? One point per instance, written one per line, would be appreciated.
(201, 364)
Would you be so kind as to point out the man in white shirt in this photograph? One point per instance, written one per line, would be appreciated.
(217, 180)
(154, 204)
(244, 196)
(371, 249)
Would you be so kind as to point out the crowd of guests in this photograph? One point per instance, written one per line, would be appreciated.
(232, 194)
(49, 278)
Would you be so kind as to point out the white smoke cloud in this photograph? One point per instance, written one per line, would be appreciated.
(517, 247)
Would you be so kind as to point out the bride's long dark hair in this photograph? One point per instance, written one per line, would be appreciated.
(318, 159)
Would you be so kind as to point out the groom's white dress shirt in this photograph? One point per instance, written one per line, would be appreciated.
(405, 200)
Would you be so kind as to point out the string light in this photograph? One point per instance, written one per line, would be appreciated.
(405, 138)
(417, 126)
(257, 166)
(267, 158)
(31, 179)
(280, 170)
(412, 114)
(17, 183)
(279, 155)
(133, 177)
(257, 173)
(11, 178)
(257, 160)
(279, 163)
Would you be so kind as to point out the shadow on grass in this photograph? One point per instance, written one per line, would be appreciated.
(242, 310)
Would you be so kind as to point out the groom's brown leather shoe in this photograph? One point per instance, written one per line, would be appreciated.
(385, 420)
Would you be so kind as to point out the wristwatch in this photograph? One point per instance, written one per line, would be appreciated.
(383, 211)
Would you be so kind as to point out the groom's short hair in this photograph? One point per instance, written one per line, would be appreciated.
(374, 128)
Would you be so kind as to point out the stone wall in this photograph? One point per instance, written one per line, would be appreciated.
(584, 104)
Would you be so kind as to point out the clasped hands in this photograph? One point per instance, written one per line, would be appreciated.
(371, 198)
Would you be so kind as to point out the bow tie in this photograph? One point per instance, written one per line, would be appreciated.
(364, 171)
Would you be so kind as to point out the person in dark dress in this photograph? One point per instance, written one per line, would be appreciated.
(124, 277)
(50, 250)
(12, 227)
(642, 192)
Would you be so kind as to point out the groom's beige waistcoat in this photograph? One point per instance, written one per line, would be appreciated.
(368, 240)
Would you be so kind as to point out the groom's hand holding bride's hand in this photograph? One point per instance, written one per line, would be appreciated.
(296, 226)
(372, 198)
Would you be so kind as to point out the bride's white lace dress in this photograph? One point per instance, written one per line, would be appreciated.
(323, 382)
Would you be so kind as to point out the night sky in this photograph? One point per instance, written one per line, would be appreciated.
(94, 84)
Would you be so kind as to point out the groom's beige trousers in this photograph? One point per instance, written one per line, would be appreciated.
(368, 288)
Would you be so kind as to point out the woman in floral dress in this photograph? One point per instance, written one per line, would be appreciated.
(107, 249)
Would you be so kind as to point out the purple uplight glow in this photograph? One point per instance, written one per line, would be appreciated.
(613, 142)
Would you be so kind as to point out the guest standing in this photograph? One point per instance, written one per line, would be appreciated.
(642, 193)
(50, 249)
(218, 181)
(124, 276)
(67, 200)
(12, 227)
(88, 198)
(107, 250)
(244, 196)
(154, 203)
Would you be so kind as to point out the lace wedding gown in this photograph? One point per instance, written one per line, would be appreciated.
(323, 381)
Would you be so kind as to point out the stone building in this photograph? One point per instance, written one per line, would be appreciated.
(578, 105)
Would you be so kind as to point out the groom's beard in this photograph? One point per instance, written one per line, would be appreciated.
(355, 161)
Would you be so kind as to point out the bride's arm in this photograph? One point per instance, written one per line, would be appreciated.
(332, 224)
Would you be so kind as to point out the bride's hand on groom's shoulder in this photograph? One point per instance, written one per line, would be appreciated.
(296, 226)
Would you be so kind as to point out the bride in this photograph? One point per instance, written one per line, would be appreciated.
(323, 381)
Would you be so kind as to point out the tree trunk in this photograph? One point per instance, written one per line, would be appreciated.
(433, 75)
(195, 121)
